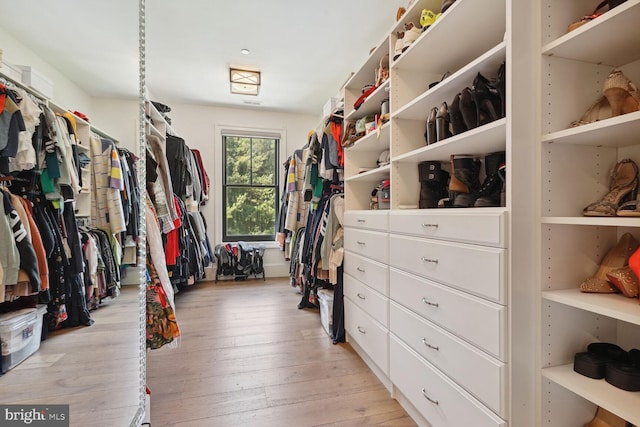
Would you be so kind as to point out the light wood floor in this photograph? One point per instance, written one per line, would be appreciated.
(249, 357)
(95, 369)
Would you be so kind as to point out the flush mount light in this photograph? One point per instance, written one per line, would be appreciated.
(244, 82)
(245, 51)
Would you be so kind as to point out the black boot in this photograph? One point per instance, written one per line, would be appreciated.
(433, 184)
(489, 193)
(465, 181)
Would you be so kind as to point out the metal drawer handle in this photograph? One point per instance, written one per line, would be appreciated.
(361, 296)
(425, 259)
(362, 221)
(433, 304)
(431, 346)
(424, 393)
(361, 330)
(361, 270)
(430, 225)
(360, 243)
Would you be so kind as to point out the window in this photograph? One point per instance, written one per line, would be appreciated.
(250, 187)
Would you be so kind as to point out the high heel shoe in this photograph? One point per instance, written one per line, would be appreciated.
(604, 418)
(487, 100)
(599, 110)
(623, 187)
(430, 132)
(455, 115)
(622, 94)
(501, 87)
(443, 123)
(468, 108)
(616, 258)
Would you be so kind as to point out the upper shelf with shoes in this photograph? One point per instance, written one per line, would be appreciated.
(599, 40)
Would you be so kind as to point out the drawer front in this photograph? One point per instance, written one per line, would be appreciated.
(373, 303)
(476, 320)
(479, 270)
(369, 244)
(371, 273)
(477, 228)
(442, 402)
(481, 375)
(369, 334)
(371, 220)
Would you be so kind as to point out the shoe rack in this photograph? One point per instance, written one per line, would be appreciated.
(574, 171)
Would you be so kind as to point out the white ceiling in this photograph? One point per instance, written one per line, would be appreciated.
(305, 50)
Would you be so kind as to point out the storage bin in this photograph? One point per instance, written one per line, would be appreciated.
(325, 299)
(20, 333)
(36, 80)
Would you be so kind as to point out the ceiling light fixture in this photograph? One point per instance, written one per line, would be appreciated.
(245, 51)
(244, 82)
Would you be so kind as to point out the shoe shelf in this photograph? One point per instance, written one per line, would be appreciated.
(372, 104)
(600, 41)
(365, 154)
(433, 51)
(479, 141)
(373, 142)
(617, 131)
(623, 403)
(377, 174)
(413, 14)
(617, 221)
(615, 306)
(365, 75)
(418, 108)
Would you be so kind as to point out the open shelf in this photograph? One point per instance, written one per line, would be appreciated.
(373, 142)
(623, 403)
(372, 104)
(615, 306)
(602, 41)
(620, 131)
(365, 74)
(618, 221)
(376, 174)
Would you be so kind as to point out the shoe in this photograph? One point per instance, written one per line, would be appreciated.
(617, 257)
(501, 87)
(468, 108)
(489, 194)
(444, 76)
(430, 133)
(625, 374)
(622, 94)
(428, 18)
(465, 181)
(625, 280)
(599, 110)
(623, 187)
(411, 34)
(593, 362)
(604, 418)
(634, 265)
(443, 124)
(487, 100)
(458, 125)
(399, 43)
(446, 4)
(433, 184)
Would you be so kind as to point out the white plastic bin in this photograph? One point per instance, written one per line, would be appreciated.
(325, 298)
(20, 333)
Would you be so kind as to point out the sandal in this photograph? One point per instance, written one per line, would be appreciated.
(624, 185)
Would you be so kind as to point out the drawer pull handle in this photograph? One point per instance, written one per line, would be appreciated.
(430, 225)
(360, 243)
(425, 259)
(431, 346)
(362, 221)
(433, 304)
(424, 393)
(361, 270)
(361, 330)
(361, 296)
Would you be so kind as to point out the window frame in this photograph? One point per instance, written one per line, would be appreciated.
(276, 185)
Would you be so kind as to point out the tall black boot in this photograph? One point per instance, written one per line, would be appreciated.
(489, 194)
(433, 184)
(465, 180)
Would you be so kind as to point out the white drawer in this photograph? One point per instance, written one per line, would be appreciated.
(369, 244)
(371, 273)
(372, 337)
(373, 303)
(479, 270)
(469, 226)
(371, 220)
(441, 401)
(481, 375)
(478, 321)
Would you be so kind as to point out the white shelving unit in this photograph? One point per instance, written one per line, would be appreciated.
(574, 171)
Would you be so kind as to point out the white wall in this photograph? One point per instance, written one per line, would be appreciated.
(198, 125)
(65, 92)
(118, 118)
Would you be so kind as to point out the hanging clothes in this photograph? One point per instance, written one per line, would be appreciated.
(106, 204)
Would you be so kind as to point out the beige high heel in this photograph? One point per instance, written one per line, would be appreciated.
(604, 418)
(623, 95)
